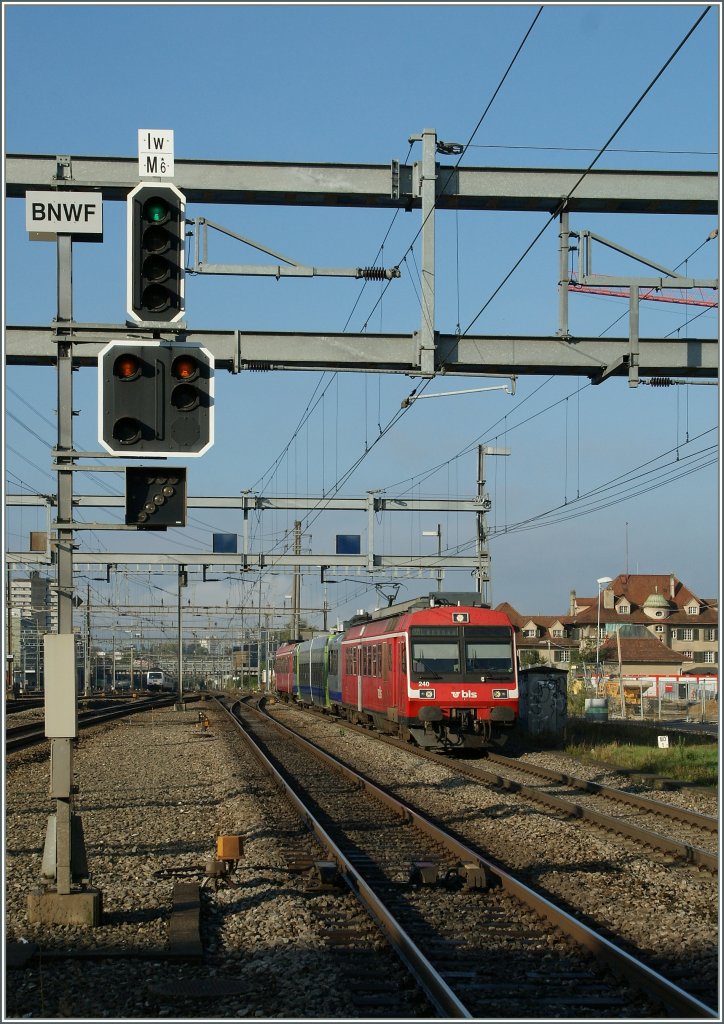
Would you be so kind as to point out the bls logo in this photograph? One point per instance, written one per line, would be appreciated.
(465, 694)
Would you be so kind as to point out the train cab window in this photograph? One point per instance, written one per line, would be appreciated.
(482, 656)
(431, 658)
(488, 651)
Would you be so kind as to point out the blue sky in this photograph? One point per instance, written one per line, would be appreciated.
(349, 84)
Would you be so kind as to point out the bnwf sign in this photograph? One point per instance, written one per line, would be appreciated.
(64, 213)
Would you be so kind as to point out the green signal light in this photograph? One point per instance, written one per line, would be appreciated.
(156, 210)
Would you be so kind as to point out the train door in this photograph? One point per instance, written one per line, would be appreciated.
(358, 665)
(386, 674)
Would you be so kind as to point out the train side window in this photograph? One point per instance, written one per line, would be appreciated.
(403, 657)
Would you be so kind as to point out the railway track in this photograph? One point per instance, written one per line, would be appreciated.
(453, 916)
(12, 707)
(662, 829)
(27, 734)
(648, 821)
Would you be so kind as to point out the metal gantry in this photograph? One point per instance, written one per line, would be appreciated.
(429, 186)
(426, 185)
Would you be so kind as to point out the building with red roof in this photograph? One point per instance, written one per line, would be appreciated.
(645, 624)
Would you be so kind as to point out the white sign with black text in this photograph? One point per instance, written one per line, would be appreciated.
(155, 153)
(64, 213)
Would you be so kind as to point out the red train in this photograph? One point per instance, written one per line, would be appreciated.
(440, 671)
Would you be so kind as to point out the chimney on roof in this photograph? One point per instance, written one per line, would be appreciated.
(572, 604)
(672, 586)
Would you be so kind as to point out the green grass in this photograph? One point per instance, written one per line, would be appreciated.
(697, 764)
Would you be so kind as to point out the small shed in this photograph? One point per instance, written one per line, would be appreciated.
(543, 693)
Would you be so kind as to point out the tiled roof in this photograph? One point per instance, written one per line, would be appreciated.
(635, 589)
(641, 649)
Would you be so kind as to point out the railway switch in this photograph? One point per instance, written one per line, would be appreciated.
(474, 876)
(229, 851)
(325, 876)
(423, 872)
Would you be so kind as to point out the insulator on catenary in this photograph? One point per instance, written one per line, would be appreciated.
(258, 367)
(660, 382)
(377, 273)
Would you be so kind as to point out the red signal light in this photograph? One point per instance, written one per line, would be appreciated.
(127, 367)
(184, 368)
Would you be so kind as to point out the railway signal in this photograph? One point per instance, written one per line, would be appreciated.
(155, 497)
(155, 256)
(155, 398)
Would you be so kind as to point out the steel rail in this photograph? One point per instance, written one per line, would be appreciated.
(643, 977)
(435, 987)
(703, 821)
(19, 737)
(678, 848)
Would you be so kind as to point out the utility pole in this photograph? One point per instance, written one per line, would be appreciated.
(258, 641)
(437, 533)
(10, 664)
(64, 859)
(483, 573)
(297, 580)
(183, 581)
(87, 665)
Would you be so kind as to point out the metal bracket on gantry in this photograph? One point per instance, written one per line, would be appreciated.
(285, 267)
(607, 285)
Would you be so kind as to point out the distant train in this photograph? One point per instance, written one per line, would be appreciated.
(156, 681)
(439, 671)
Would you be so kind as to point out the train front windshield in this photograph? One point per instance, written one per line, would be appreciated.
(467, 652)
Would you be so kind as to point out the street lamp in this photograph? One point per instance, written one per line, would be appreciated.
(602, 582)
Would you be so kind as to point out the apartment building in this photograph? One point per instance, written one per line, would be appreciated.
(30, 597)
(647, 623)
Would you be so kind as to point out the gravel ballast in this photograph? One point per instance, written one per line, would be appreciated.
(154, 795)
(155, 792)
